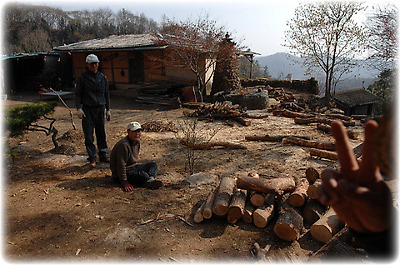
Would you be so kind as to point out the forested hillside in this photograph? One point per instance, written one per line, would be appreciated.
(29, 28)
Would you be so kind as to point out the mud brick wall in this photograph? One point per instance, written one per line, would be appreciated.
(309, 86)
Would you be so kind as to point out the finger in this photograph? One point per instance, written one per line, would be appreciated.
(328, 190)
(368, 164)
(346, 157)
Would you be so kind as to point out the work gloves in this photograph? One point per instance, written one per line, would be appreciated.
(81, 114)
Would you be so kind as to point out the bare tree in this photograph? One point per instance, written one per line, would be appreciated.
(382, 42)
(194, 45)
(326, 36)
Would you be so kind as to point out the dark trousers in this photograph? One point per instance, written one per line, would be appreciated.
(94, 123)
(141, 173)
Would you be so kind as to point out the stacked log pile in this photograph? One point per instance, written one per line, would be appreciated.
(288, 204)
(224, 111)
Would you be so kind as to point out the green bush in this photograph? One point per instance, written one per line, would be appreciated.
(21, 117)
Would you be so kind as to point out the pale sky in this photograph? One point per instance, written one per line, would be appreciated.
(256, 24)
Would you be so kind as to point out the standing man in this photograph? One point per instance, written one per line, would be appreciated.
(92, 100)
(124, 162)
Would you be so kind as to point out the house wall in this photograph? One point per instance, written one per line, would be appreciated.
(116, 66)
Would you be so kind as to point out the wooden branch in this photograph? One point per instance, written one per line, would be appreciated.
(275, 185)
(326, 227)
(308, 143)
(223, 196)
(291, 114)
(270, 138)
(65, 105)
(210, 145)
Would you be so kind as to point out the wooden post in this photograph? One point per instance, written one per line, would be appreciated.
(326, 227)
(223, 196)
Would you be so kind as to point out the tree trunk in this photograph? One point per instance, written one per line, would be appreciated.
(313, 211)
(299, 196)
(309, 143)
(207, 211)
(223, 196)
(326, 227)
(263, 214)
(236, 207)
(275, 185)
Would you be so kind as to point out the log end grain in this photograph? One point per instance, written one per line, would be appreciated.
(286, 231)
(207, 213)
(297, 200)
(321, 233)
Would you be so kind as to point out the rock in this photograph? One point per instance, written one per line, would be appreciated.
(200, 178)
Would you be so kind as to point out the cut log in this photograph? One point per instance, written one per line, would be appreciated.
(198, 215)
(323, 154)
(313, 211)
(257, 198)
(327, 129)
(289, 224)
(291, 114)
(308, 143)
(326, 227)
(210, 145)
(262, 215)
(248, 213)
(299, 196)
(275, 185)
(207, 211)
(304, 121)
(271, 138)
(242, 121)
(312, 190)
(223, 196)
(236, 207)
(312, 175)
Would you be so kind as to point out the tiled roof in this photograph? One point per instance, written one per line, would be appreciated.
(355, 97)
(130, 41)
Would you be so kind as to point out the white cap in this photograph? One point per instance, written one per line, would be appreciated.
(134, 126)
(91, 58)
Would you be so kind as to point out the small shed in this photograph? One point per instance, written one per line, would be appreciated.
(30, 71)
(127, 60)
(356, 101)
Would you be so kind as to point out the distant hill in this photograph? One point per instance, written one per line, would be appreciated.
(281, 64)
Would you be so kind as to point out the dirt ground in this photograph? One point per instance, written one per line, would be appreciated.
(57, 208)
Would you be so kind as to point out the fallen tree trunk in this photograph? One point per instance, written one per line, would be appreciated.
(270, 138)
(263, 214)
(207, 211)
(210, 145)
(309, 120)
(323, 154)
(236, 207)
(309, 143)
(299, 196)
(326, 227)
(275, 185)
(223, 196)
(291, 114)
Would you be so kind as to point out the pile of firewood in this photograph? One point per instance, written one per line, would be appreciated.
(290, 202)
